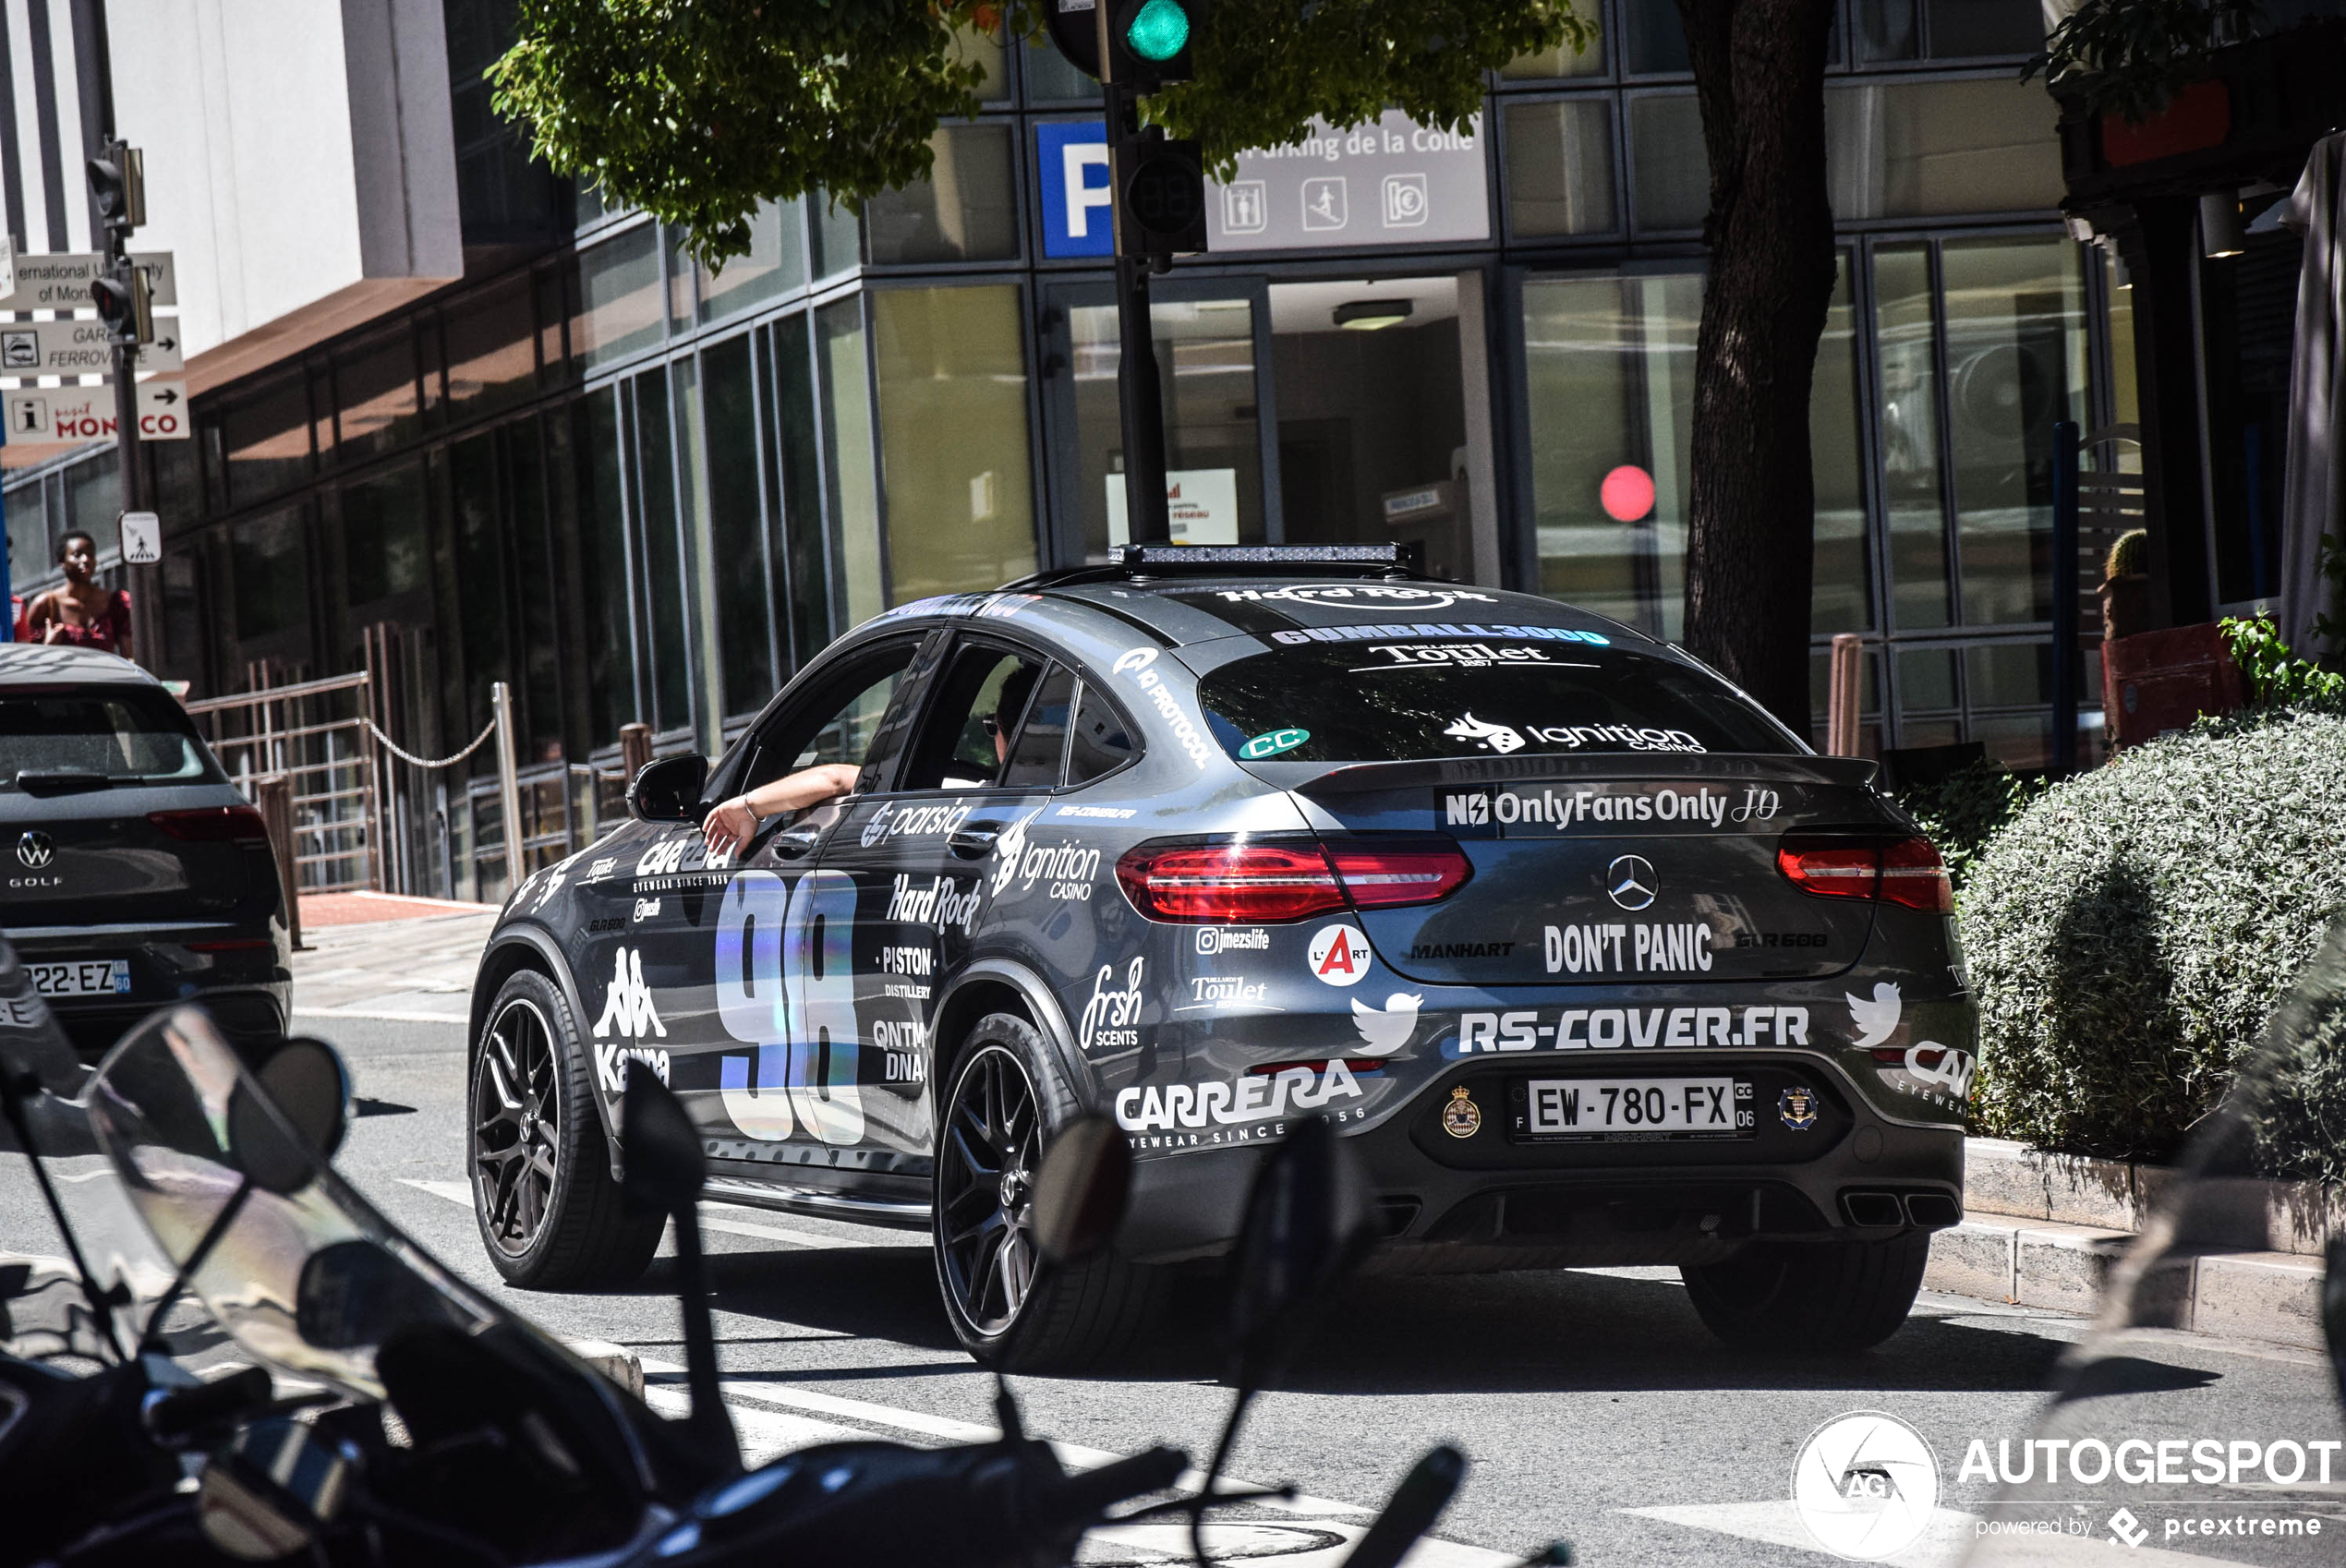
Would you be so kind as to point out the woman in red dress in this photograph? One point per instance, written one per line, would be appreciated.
(79, 612)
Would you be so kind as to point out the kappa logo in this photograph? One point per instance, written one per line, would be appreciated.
(628, 1012)
(1386, 1031)
(1339, 954)
(1494, 737)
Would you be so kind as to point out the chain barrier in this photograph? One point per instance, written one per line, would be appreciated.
(393, 747)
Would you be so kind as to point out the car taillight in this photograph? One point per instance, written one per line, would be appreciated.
(1382, 874)
(1903, 870)
(1264, 882)
(213, 825)
(1231, 883)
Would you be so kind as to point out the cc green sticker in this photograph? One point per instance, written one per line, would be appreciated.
(1272, 743)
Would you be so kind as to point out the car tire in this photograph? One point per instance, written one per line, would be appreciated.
(1001, 1106)
(550, 1213)
(1834, 1297)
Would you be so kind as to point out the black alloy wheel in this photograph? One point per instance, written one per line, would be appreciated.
(987, 1155)
(550, 1214)
(516, 1127)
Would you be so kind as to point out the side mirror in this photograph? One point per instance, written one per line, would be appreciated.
(664, 1166)
(310, 1083)
(1307, 1225)
(669, 790)
(1081, 1189)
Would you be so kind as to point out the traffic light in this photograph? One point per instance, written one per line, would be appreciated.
(124, 300)
(119, 184)
(1160, 205)
(1149, 41)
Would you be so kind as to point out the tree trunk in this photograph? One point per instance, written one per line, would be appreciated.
(1758, 71)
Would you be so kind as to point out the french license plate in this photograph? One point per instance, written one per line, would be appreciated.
(1635, 1107)
(89, 977)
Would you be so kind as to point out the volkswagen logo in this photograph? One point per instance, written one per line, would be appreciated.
(1628, 882)
(36, 849)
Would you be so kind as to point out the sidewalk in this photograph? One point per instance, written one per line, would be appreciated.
(2050, 1231)
(376, 954)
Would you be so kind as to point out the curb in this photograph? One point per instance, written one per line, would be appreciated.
(2051, 1231)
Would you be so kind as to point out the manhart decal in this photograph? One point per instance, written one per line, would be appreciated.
(1609, 1028)
(1463, 949)
(1608, 808)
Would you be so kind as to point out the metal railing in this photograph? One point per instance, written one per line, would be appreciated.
(315, 733)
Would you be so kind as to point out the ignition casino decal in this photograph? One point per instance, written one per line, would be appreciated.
(1548, 810)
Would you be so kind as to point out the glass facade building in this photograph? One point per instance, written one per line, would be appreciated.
(636, 489)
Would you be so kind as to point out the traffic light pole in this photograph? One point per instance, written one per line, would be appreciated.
(146, 581)
(1140, 394)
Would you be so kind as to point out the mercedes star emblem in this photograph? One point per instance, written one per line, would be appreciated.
(36, 849)
(1628, 881)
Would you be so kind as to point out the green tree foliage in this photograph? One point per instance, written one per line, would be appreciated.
(698, 112)
(2131, 55)
(2277, 678)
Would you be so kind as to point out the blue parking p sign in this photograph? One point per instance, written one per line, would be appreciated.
(1071, 158)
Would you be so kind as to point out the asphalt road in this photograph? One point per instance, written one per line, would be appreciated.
(1593, 1406)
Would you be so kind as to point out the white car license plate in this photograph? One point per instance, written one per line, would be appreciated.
(89, 977)
(1636, 1106)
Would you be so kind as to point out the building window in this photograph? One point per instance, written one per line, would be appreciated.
(375, 389)
(1929, 149)
(953, 438)
(267, 442)
(1560, 167)
(619, 297)
(805, 540)
(775, 264)
(1561, 61)
(667, 609)
(1946, 29)
(852, 485)
(272, 589)
(492, 352)
(603, 572)
(965, 210)
(384, 536)
(1669, 174)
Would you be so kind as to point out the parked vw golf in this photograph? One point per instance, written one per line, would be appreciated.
(1592, 961)
(132, 874)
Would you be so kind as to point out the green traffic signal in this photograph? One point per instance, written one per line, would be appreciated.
(1159, 31)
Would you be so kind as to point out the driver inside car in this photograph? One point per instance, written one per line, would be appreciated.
(731, 824)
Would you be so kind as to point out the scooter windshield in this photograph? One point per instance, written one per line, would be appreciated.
(2200, 1419)
(299, 1268)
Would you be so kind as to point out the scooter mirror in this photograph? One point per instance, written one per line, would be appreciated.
(665, 1168)
(309, 1084)
(266, 1148)
(1080, 1190)
(1307, 1225)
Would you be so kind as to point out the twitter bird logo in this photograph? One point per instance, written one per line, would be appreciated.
(1875, 1021)
(1386, 1031)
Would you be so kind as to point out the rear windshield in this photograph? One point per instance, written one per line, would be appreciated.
(1407, 701)
(129, 737)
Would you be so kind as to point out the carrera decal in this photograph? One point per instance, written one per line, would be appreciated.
(1609, 1028)
(1608, 807)
(1247, 1097)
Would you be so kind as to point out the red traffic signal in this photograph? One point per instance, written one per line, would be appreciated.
(125, 304)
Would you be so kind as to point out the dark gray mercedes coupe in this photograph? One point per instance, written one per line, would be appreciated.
(1590, 960)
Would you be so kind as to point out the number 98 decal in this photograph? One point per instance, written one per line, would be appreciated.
(784, 974)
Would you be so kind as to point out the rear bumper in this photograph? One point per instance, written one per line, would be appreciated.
(1484, 1203)
(249, 991)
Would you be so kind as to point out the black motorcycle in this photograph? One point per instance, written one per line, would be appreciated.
(450, 1431)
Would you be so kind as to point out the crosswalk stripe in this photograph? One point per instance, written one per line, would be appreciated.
(1944, 1542)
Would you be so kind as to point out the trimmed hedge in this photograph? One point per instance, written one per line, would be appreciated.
(2131, 932)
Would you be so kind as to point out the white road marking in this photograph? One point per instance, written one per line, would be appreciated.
(1951, 1533)
(765, 1434)
(387, 1015)
(458, 1192)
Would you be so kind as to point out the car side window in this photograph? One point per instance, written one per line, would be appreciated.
(1101, 742)
(973, 720)
(1036, 758)
(834, 724)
